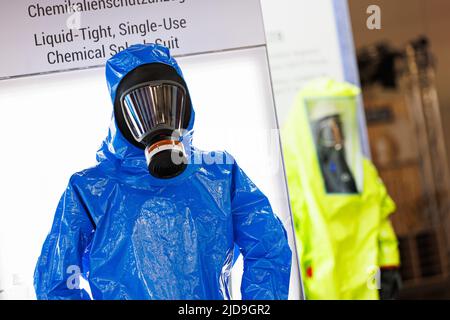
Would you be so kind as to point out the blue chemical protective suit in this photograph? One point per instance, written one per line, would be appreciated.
(133, 236)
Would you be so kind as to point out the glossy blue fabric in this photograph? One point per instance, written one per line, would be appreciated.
(137, 237)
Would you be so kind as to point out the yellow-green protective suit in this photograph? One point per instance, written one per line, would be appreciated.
(342, 239)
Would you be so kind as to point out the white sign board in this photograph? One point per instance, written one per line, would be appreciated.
(214, 40)
(55, 35)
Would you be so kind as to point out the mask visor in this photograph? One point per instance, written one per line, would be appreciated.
(153, 106)
(335, 132)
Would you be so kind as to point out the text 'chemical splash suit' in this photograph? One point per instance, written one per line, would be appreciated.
(341, 207)
(139, 227)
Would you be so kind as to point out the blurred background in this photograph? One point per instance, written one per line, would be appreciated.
(405, 75)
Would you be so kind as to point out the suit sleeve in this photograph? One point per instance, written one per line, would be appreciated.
(262, 240)
(389, 255)
(59, 266)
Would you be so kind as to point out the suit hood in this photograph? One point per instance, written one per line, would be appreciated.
(116, 147)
